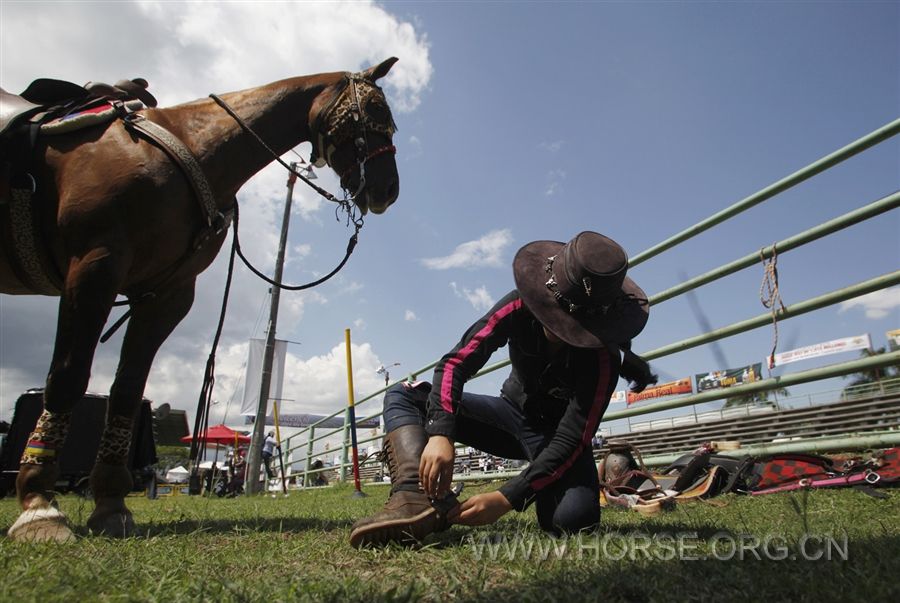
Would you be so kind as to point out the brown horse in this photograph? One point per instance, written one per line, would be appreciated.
(120, 217)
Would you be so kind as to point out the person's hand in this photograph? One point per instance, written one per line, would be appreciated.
(636, 370)
(480, 510)
(436, 466)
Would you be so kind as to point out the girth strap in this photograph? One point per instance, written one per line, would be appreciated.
(35, 266)
(182, 156)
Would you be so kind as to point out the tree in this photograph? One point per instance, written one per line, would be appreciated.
(873, 375)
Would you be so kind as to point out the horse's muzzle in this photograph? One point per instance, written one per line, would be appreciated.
(379, 200)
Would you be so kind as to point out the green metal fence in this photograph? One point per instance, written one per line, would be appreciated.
(303, 442)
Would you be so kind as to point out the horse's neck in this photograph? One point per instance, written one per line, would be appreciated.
(277, 112)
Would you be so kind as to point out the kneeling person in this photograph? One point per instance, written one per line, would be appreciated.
(569, 325)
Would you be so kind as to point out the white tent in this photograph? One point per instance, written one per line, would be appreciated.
(177, 475)
(220, 465)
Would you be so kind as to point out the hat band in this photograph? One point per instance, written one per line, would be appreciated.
(572, 308)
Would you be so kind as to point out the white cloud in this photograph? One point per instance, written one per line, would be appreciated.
(551, 147)
(352, 287)
(551, 189)
(319, 384)
(359, 323)
(479, 298)
(877, 304)
(413, 148)
(484, 252)
(200, 48)
(555, 178)
(410, 316)
(301, 251)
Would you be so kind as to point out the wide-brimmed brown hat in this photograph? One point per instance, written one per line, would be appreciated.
(578, 290)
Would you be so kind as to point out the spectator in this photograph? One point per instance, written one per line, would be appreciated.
(319, 478)
(268, 451)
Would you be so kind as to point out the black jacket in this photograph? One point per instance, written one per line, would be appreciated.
(565, 394)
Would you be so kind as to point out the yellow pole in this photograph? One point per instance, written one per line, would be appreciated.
(350, 400)
(275, 413)
(278, 441)
(351, 416)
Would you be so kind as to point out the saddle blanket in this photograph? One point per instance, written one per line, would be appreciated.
(83, 118)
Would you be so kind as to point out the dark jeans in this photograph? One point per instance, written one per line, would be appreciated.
(496, 426)
(267, 463)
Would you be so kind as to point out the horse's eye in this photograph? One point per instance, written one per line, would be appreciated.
(378, 112)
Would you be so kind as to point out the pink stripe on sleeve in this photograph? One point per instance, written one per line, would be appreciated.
(466, 351)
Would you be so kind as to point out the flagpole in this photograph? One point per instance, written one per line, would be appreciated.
(255, 454)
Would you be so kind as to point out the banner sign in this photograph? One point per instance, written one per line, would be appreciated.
(618, 397)
(253, 381)
(305, 420)
(893, 338)
(682, 386)
(859, 342)
(728, 377)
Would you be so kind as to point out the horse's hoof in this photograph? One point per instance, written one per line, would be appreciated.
(41, 524)
(114, 524)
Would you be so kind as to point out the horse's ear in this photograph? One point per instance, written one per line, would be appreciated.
(379, 71)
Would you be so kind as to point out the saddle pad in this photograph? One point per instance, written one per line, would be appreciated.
(787, 468)
(888, 465)
(93, 116)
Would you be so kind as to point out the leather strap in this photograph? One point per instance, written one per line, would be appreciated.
(183, 157)
(29, 253)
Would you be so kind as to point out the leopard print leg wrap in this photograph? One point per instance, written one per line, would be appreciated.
(48, 437)
(116, 441)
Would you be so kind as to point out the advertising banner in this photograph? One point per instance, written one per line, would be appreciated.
(893, 338)
(681, 386)
(846, 344)
(305, 420)
(618, 397)
(728, 377)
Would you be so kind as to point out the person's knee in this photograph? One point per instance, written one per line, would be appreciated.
(578, 510)
(402, 406)
(396, 394)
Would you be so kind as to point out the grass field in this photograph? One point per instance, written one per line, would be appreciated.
(821, 546)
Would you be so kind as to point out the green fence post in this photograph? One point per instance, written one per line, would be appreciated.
(309, 451)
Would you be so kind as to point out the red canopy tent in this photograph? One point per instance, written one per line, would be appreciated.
(220, 434)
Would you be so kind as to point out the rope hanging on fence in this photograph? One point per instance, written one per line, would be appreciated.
(770, 296)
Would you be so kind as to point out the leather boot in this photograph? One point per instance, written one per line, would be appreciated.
(409, 515)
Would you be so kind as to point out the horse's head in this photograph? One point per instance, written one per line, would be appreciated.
(352, 131)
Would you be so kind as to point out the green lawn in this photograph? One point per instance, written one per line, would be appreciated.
(822, 546)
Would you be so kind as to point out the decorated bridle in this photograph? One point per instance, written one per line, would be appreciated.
(345, 118)
(342, 119)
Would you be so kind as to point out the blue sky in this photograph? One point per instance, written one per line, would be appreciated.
(518, 121)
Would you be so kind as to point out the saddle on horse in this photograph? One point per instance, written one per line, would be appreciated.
(47, 99)
(47, 107)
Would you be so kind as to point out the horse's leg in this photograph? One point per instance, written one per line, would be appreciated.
(150, 324)
(91, 284)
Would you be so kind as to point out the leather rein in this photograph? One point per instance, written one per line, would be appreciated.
(345, 204)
